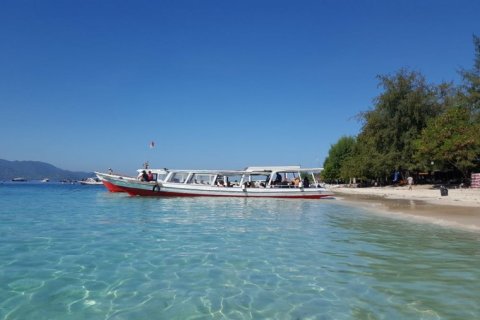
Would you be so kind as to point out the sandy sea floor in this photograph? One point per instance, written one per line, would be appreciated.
(460, 208)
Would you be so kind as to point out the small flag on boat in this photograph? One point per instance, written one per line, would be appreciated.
(152, 144)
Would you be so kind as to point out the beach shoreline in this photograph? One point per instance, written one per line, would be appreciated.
(460, 209)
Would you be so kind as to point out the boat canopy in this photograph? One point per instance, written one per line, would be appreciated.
(250, 170)
(220, 172)
(282, 169)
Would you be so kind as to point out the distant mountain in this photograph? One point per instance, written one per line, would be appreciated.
(36, 170)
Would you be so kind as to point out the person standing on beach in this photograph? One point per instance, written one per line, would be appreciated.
(410, 182)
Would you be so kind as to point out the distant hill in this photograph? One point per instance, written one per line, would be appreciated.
(36, 170)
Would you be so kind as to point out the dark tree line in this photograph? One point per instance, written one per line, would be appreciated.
(413, 127)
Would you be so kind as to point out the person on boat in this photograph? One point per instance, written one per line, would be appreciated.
(306, 182)
(150, 176)
(143, 176)
(296, 182)
(278, 179)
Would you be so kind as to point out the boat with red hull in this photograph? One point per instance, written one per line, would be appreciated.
(288, 182)
(110, 179)
(111, 187)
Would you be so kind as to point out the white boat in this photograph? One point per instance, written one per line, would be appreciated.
(19, 179)
(45, 180)
(91, 181)
(107, 178)
(253, 182)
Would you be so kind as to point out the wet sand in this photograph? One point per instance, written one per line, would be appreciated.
(460, 209)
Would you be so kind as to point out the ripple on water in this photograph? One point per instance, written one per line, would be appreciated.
(77, 253)
(26, 285)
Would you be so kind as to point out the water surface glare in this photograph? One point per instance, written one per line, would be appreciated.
(79, 252)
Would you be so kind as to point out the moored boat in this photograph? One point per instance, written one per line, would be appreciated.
(113, 182)
(253, 182)
(91, 181)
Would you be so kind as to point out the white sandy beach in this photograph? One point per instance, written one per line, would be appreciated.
(461, 208)
(457, 197)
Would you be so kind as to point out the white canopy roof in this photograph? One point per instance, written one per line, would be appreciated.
(249, 170)
(282, 169)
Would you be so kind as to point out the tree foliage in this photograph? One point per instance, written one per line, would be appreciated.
(336, 156)
(397, 119)
(411, 124)
(471, 82)
(451, 139)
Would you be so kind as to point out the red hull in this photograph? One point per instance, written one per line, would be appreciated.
(111, 187)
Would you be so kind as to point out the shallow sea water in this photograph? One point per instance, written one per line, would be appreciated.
(79, 252)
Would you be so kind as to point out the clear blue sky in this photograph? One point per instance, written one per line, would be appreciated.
(86, 85)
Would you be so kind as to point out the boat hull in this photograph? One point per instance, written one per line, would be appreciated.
(149, 193)
(111, 187)
(110, 181)
(155, 190)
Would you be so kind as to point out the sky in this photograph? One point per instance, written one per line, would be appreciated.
(87, 85)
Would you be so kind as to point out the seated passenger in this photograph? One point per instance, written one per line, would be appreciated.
(306, 182)
(150, 176)
(278, 179)
(143, 176)
(296, 182)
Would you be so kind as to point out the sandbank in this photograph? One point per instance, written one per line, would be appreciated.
(461, 208)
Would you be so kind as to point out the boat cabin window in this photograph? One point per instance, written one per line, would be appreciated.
(289, 176)
(178, 177)
(161, 176)
(286, 179)
(256, 180)
(229, 180)
(202, 178)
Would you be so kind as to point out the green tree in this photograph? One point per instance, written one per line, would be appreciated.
(386, 141)
(336, 156)
(362, 163)
(470, 94)
(451, 139)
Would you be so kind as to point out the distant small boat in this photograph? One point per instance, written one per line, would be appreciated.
(19, 179)
(46, 180)
(91, 181)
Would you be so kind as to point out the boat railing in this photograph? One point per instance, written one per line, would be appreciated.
(283, 185)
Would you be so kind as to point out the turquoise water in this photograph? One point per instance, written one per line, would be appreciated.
(79, 252)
